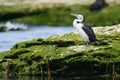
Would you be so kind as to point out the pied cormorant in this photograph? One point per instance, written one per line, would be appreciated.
(85, 31)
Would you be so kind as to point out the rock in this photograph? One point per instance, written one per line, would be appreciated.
(9, 26)
(67, 55)
(98, 5)
(2, 28)
(108, 30)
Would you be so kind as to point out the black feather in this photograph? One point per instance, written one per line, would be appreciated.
(89, 31)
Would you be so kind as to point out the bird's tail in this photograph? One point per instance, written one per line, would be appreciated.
(102, 42)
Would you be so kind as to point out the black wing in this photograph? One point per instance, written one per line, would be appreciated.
(90, 33)
(90, 27)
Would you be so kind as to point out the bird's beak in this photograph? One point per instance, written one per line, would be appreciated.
(76, 15)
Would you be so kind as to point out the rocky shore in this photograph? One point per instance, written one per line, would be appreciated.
(65, 55)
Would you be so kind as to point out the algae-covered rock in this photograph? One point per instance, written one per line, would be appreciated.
(67, 55)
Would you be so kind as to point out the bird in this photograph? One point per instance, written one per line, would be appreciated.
(85, 31)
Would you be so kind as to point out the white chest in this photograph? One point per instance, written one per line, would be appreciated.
(82, 33)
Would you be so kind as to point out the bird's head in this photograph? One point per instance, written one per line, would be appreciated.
(79, 16)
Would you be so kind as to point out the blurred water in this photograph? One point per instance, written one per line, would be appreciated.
(9, 38)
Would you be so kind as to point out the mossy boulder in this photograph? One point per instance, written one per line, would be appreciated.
(67, 55)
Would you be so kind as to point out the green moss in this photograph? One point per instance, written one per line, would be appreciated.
(59, 14)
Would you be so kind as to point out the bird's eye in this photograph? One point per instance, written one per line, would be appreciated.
(78, 22)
